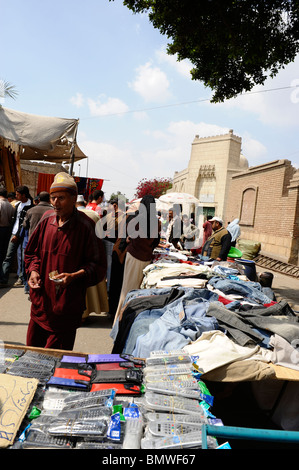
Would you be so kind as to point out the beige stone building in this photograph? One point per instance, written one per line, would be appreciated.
(266, 199)
(213, 162)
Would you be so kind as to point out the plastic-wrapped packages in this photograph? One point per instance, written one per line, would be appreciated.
(189, 440)
(34, 365)
(92, 428)
(77, 401)
(181, 381)
(166, 358)
(170, 369)
(167, 403)
(133, 428)
(197, 420)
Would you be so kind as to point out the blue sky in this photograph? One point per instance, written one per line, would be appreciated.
(139, 110)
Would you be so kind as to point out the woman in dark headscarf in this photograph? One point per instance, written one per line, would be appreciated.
(142, 237)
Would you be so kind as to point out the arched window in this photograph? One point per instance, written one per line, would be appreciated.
(248, 205)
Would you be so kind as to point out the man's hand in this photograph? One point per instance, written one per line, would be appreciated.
(67, 278)
(64, 279)
(34, 280)
(14, 239)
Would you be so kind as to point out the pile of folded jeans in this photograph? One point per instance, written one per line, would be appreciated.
(181, 299)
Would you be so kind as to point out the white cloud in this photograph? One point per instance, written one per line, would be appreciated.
(252, 149)
(105, 153)
(182, 133)
(182, 67)
(168, 150)
(100, 107)
(175, 142)
(77, 100)
(151, 83)
(188, 129)
(113, 163)
(275, 103)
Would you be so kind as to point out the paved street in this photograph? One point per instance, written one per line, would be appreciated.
(94, 337)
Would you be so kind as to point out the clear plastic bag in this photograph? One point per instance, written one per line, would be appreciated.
(190, 440)
(166, 403)
(88, 414)
(169, 429)
(183, 381)
(133, 433)
(38, 439)
(87, 400)
(165, 358)
(198, 419)
(94, 428)
(168, 369)
(172, 388)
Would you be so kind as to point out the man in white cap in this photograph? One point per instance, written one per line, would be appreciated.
(63, 258)
(218, 244)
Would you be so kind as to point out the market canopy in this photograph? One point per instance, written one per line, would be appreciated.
(41, 137)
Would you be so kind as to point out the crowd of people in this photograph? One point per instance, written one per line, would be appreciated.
(217, 240)
(63, 245)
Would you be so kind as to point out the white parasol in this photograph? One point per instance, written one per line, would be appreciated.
(178, 198)
(160, 205)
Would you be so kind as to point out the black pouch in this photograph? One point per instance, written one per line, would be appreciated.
(132, 376)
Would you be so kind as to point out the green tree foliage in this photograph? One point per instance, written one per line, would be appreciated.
(155, 187)
(232, 44)
(117, 196)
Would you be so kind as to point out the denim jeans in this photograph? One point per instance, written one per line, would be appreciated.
(5, 234)
(19, 261)
(248, 289)
(277, 319)
(247, 326)
(151, 312)
(140, 327)
(178, 326)
(9, 258)
(23, 275)
(136, 302)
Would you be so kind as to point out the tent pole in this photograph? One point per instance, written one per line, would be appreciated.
(72, 159)
(73, 151)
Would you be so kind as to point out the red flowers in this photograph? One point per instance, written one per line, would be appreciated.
(156, 187)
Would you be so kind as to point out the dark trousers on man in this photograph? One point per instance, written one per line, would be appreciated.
(5, 233)
(40, 338)
(8, 260)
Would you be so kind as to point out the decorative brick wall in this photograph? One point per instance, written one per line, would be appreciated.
(266, 200)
